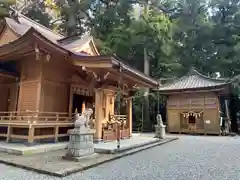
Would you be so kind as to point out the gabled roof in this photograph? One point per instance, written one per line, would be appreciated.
(69, 43)
(25, 24)
(193, 80)
(74, 43)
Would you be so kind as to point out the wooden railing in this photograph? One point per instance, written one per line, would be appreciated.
(110, 127)
(34, 121)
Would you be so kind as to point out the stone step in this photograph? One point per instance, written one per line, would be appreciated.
(136, 147)
(145, 147)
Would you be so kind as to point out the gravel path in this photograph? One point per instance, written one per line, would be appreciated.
(189, 158)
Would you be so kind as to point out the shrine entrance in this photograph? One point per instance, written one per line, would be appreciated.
(191, 121)
(80, 102)
(80, 99)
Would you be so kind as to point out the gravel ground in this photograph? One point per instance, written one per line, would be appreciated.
(189, 158)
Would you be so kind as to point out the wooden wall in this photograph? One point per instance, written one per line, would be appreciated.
(4, 97)
(207, 103)
(44, 85)
(29, 86)
(55, 87)
(8, 92)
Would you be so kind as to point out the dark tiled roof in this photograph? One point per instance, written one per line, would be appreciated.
(67, 43)
(25, 24)
(193, 80)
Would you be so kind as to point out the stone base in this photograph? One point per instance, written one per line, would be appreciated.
(80, 143)
(80, 152)
(160, 131)
(95, 140)
(77, 159)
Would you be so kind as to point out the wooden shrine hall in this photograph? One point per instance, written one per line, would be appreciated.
(46, 77)
(193, 103)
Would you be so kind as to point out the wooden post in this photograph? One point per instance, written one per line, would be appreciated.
(129, 112)
(70, 102)
(118, 134)
(83, 106)
(31, 134)
(56, 129)
(98, 113)
(9, 132)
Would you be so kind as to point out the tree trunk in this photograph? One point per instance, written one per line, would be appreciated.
(146, 119)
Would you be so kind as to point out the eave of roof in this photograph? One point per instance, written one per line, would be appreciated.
(118, 64)
(8, 74)
(28, 40)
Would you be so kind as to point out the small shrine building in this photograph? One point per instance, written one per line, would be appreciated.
(46, 77)
(193, 103)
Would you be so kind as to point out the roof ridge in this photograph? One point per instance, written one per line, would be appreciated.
(46, 28)
(68, 38)
(192, 80)
(193, 71)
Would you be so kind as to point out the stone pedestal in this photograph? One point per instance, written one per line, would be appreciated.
(80, 138)
(160, 128)
(160, 131)
(80, 143)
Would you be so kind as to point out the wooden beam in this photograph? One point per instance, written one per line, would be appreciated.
(131, 78)
(8, 75)
(92, 64)
(183, 91)
(70, 101)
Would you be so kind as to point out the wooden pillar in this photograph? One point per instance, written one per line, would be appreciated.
(31, 131)
(109, 104)
(98, 114)
(129, 112)
(83, 106)
(70, 101)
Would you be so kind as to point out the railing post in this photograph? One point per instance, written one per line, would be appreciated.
(10, 117)
(56, 129)
(118, 134)
(9, 132)
(57, 115)
(31, 130)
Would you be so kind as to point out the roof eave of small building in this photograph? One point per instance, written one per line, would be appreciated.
(188, 90)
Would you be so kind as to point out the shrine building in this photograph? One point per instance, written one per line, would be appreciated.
(193, 103)
(46, 77)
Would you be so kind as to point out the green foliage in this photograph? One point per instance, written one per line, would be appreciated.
(38, 13)
(176, 34)
(5, 7)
